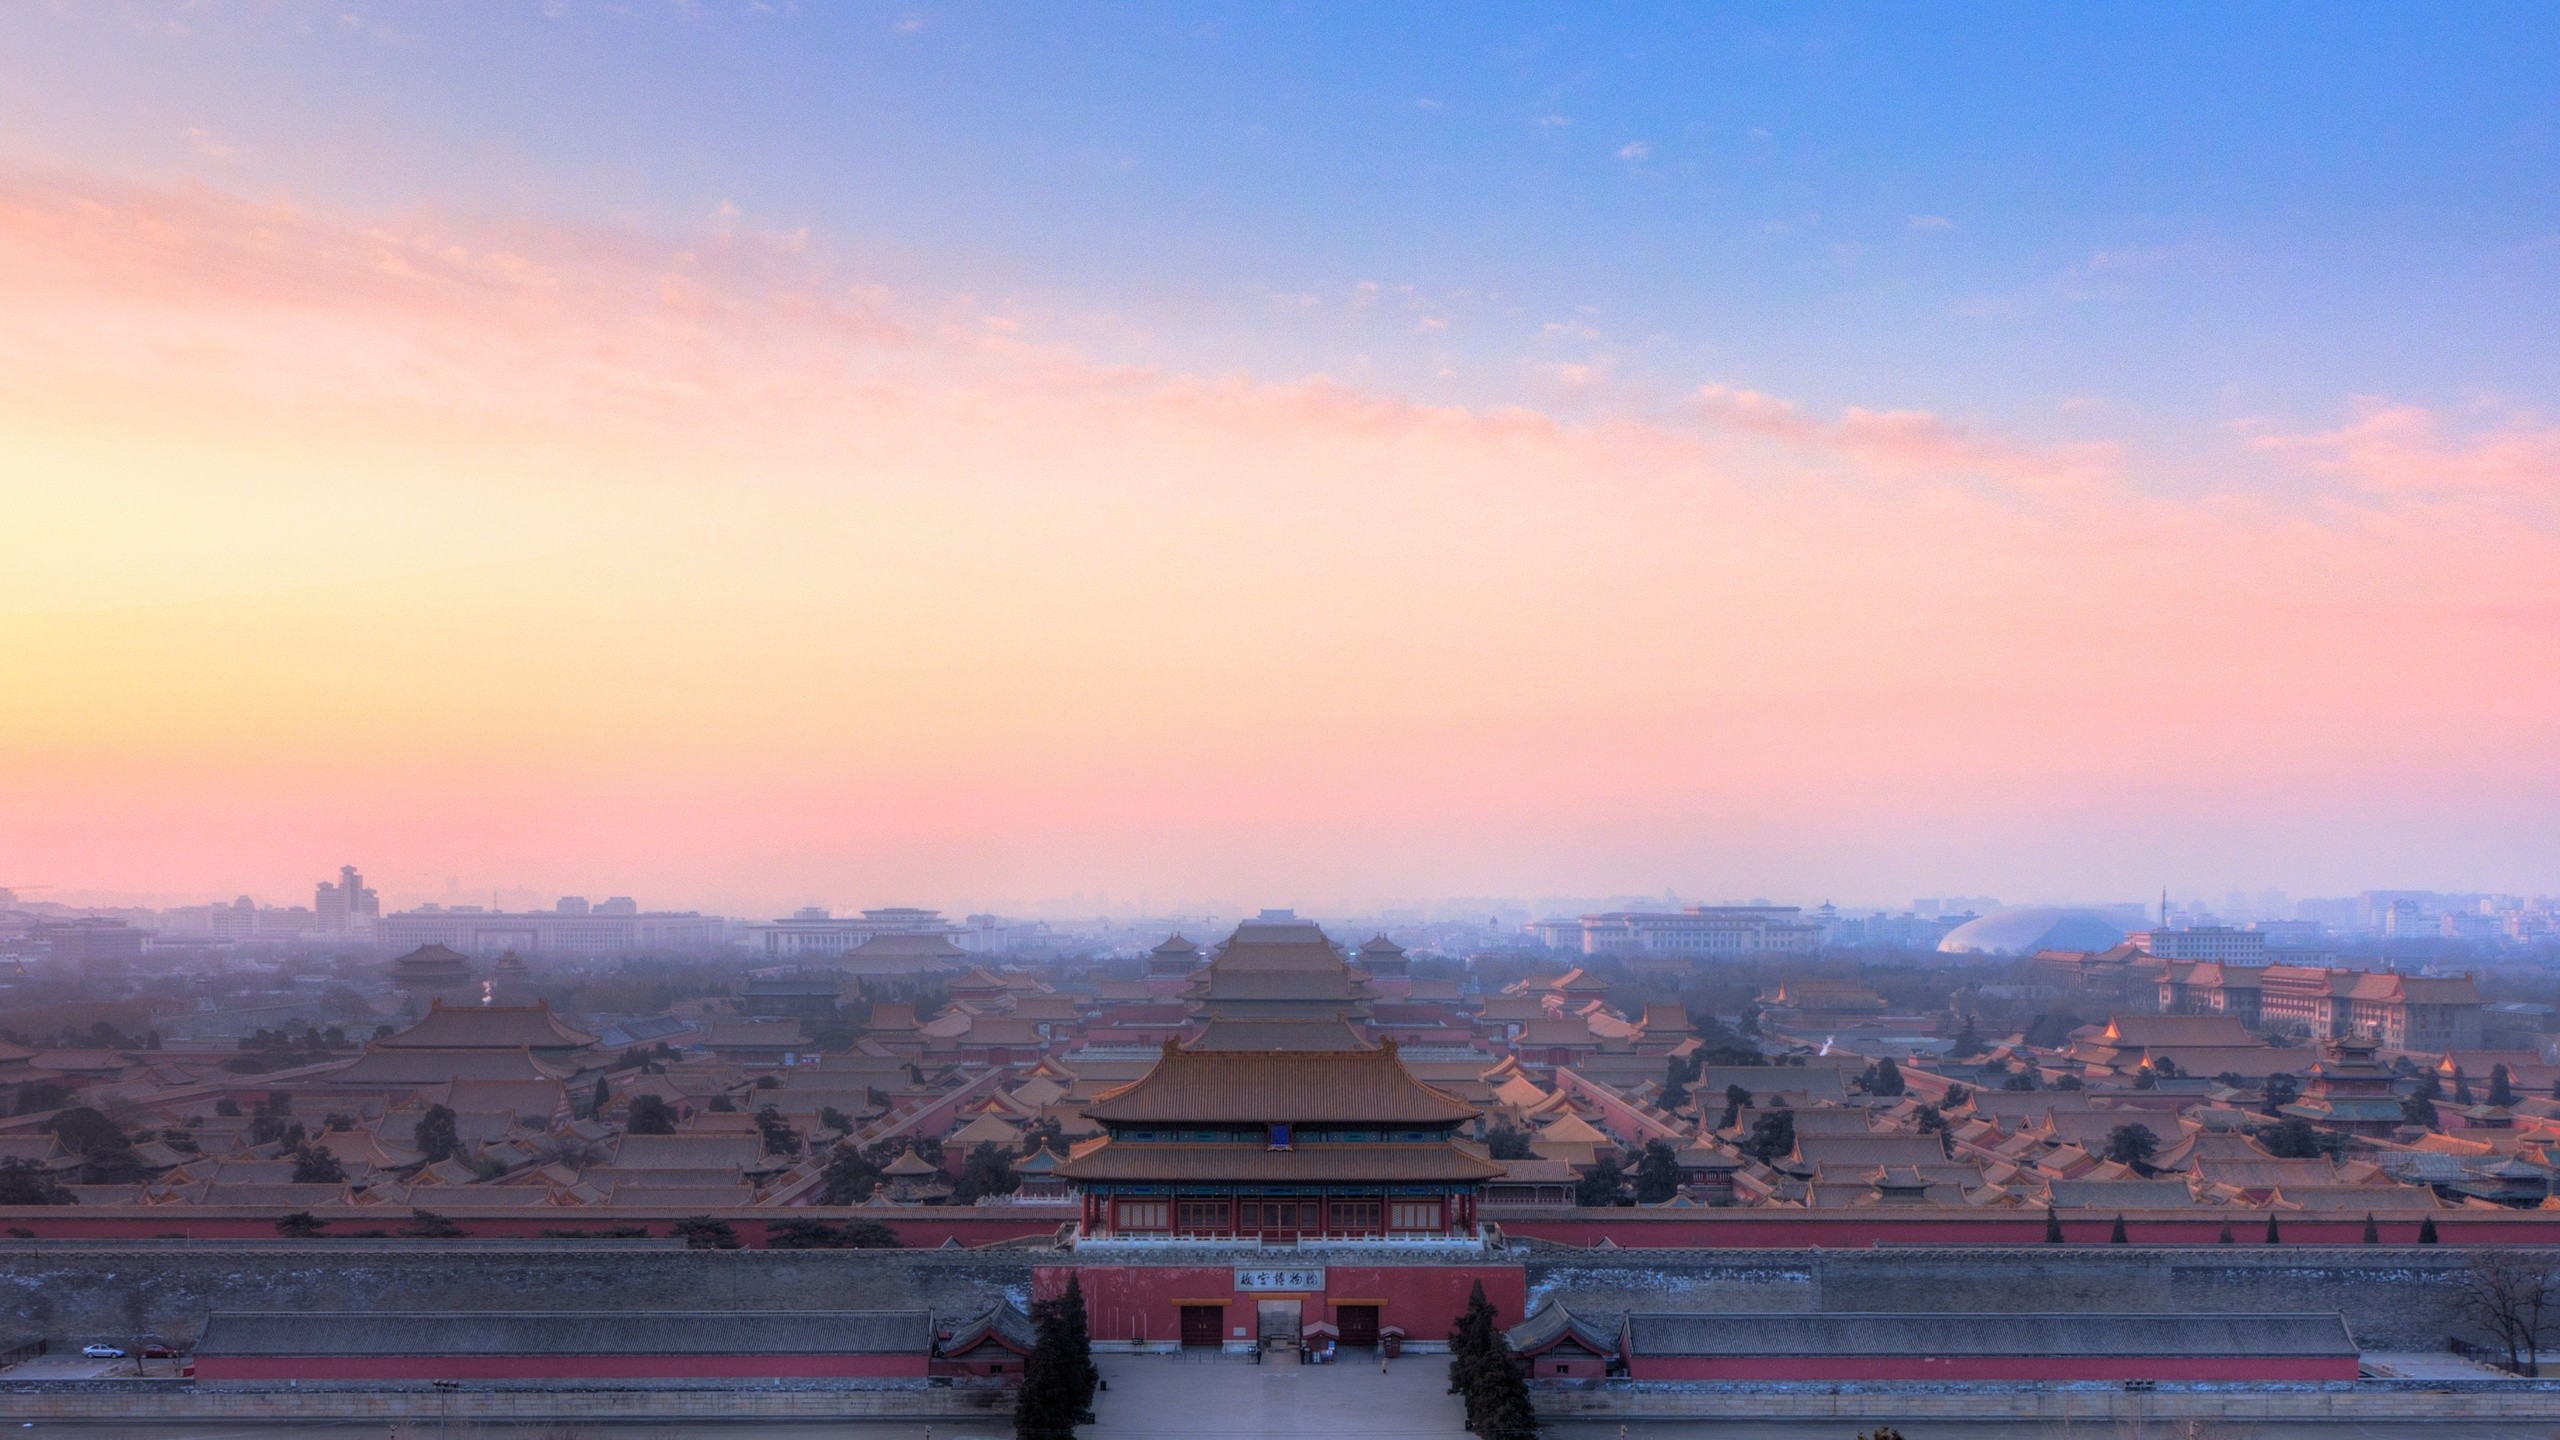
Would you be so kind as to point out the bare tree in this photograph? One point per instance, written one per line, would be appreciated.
(2514, 1295)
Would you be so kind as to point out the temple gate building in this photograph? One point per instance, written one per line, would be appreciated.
(1279, 983)
(1280, 1145)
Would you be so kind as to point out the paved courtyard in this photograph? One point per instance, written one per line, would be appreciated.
(1197, 1395)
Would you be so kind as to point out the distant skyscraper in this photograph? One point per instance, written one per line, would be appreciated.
(347, 907)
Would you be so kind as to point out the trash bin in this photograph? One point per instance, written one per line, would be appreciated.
(1391, 1342)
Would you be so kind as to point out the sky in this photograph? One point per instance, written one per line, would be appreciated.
(751, 455)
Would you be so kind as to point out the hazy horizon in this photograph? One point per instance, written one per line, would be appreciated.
(742, 459)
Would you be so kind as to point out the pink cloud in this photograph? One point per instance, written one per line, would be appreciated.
(1906, 443)
(852, 582)
(2392, 449)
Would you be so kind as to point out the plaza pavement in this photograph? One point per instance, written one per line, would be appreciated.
(1199, 1395)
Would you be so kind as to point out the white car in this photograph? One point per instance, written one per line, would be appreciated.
(102, 1352)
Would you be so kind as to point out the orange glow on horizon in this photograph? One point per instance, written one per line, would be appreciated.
(694, 568)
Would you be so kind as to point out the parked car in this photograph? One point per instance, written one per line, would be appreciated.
(157, 1351)
(102, 1352)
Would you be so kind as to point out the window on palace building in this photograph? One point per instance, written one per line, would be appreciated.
(1414, 1215)
(1204, 1214)
(1355, 1214)
(1279, 1137)
(1145, 1215)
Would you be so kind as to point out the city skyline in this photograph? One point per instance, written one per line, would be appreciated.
(760, 456)
(325, 913)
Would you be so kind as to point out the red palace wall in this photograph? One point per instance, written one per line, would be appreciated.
(1992, 1367)
(1143, 1303)
(920, 1228)
(927, 1227)
(559, 1367)
(1752, 1229)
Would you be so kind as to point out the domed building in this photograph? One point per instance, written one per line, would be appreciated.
(2026, 929)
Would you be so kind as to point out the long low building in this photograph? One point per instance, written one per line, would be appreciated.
(566, 1345)
(1994, 1346)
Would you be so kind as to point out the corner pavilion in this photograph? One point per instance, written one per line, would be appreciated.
(1279, 1145)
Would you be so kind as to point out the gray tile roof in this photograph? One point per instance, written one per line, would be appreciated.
(568, 1332)
(1551, 1324)
(1848, 1333)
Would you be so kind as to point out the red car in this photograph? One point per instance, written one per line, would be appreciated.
(157, 1351)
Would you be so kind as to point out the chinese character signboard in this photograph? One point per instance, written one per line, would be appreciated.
(1263, 1278)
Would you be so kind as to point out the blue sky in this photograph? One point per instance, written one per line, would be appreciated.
(2038, 216)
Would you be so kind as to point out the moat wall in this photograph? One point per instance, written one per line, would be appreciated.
(2394, 1298)
(66, 1292)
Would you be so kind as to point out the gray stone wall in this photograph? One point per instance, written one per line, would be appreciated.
(72, 1292)
(2393, 1298)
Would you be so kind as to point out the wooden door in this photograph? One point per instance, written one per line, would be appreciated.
(1203, 1326)
(1359, 1324)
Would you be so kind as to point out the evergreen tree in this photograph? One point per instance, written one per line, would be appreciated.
(2461, 1087)
(1675, 1085)
(1486, 1375)
(650, 1115)
(2132, 1144)
(1507, 1412)
(2052, 1227)
(776, 1132)
(802, 1234)
(316, 1166)
(1079, 1344)
(300, 1225)
(435, 1137)
(2280, 1091)
(428, 1225)
(2225, 1237)
(2273, 1238)
(2293, 1139)
(1773, 1135)
(24, 1182)
(870, 1235)
(849, 1177)
(2372, 1232)
(1968, 1042)
(701, 1232)
(1058, 1377)
(1602, 1183)
(2502, 1086)
(1470, 1346)
(988, 1170)
(1657, 1173)
(1736, 1100)
(1506, 1141)
(1884, 1077)
(2427, 1230)
(602, 1097)
(2116, 1236)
